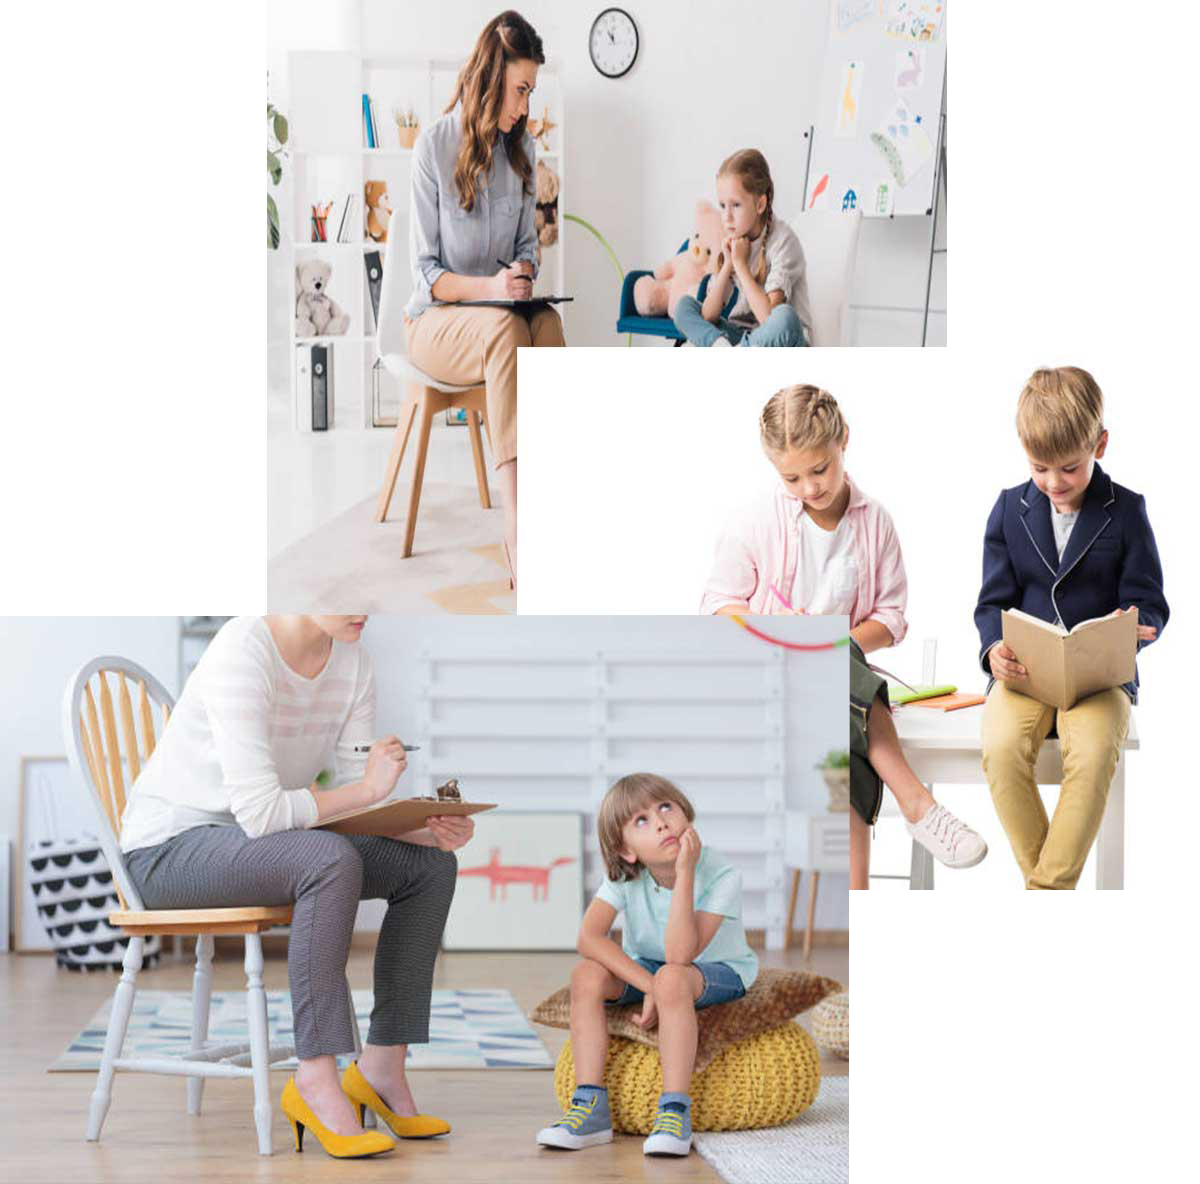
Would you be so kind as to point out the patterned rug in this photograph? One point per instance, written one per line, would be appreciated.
(482, 1029)
(812, 1149)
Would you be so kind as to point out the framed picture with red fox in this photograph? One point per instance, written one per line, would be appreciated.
(520, 885)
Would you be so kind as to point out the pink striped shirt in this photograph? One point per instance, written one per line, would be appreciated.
(760, 545)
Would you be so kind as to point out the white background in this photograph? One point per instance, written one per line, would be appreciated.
(999, 1036)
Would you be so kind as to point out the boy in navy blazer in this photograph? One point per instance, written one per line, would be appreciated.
(1068, 545)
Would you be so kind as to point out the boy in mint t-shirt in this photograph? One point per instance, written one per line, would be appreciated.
(683, 948)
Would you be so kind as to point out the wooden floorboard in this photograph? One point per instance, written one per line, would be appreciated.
(149, 1136)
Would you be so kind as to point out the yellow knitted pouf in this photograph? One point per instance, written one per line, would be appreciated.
(764, 1081)
(831, 1024)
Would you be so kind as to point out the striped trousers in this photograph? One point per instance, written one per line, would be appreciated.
(322, 876)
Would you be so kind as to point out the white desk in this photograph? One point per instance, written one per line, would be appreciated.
(944, 746)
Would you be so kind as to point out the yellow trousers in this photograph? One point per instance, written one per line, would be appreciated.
(467, 345)
(1051, 852)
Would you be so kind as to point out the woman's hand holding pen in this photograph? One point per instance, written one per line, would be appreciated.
(514, 281)
(385, 763)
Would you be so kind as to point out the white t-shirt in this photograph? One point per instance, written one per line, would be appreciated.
(247, 738)
(1063, 525)
(787, 272)
(826, 568)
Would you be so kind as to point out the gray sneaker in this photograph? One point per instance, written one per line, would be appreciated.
(585, 1124)
(947, 838)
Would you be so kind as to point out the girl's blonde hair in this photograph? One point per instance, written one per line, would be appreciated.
(801, 417)
(627, 797)
(1060, 413)
(480, 88)
(750, 167)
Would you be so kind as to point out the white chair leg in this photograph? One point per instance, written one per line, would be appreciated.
(921, 869)
(1110, 843)
(256, 1013)
(201, 1002)
(114, 1040)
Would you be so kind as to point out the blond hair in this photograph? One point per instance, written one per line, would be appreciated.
(506, 38)
(1060, 413)
(750, 167)
(633, 793)
(801, 417)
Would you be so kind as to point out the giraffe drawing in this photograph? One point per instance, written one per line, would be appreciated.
(849, 113)
(500, 876)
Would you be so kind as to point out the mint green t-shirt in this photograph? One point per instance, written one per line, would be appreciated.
(646, 905)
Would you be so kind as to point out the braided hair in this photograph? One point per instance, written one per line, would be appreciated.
(750, 167)
(800, 417)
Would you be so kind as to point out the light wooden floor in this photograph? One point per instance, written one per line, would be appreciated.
(149, 1136)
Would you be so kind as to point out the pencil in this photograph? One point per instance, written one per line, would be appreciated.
(368, 747)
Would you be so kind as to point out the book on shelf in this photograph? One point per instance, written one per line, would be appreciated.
(368, 122)
(398, 816)
(373, 266)
(1065, 665)
(347, 223)
(314, 387)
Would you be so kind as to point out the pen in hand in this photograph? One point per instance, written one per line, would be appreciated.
(406, 747)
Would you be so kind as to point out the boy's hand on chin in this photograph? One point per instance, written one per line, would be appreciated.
(649, 1015)
(689, 850)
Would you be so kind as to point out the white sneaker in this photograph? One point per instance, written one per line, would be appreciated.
(947, 838)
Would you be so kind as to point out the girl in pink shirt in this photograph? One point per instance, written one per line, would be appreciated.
(817, 539)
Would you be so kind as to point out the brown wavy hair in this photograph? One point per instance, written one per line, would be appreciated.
(634, 792)
(506, 38)
(750, 167)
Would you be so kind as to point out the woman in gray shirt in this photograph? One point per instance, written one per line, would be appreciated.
(472, 209)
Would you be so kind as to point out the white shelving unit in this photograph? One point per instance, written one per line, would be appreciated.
(553, 730)
(330, 160)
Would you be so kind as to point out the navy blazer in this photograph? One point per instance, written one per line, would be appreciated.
(1110, 561)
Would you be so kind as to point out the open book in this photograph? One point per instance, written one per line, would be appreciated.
(1066, 666)
(398, 816)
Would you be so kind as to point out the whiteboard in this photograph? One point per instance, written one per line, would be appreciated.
(875, 142)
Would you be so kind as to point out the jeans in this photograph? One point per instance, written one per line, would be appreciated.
(781, 328)
(721, 984)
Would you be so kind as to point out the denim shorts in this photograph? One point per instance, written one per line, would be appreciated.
(721, 984)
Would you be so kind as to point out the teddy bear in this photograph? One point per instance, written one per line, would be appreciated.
(317, 315)
(657, 295)
(379, 210)
(545, 217)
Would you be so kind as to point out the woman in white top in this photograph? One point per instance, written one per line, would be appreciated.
(221, 817)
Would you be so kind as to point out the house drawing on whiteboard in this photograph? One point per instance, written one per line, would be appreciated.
(500, 875)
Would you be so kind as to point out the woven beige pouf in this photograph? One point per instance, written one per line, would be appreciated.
(831, 1024)
(764, 1081)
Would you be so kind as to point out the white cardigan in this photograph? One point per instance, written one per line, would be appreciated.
(247, 738)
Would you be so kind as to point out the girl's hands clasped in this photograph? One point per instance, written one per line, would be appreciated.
(387, 760)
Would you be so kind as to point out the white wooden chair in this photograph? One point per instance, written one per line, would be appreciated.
(830, 242)
(100, 754)
(426, 394)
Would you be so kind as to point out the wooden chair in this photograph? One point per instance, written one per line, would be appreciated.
(426, 394)
(101, 752)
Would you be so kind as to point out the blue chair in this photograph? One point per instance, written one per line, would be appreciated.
(629, 320)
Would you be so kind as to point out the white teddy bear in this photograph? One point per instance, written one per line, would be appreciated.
(317, 314)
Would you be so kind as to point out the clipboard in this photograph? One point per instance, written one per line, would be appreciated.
(519, 305)
(397, 817)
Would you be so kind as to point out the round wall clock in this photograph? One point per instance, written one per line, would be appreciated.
(613, 42)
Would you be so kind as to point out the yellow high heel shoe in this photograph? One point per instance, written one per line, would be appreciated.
(404, 1126)
(300, 1115)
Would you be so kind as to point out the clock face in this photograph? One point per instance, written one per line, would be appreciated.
(613, 42)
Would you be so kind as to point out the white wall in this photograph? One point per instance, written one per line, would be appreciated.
(642, 149)
(40, 655)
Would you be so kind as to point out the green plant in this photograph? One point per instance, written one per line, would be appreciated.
(836, 758)
(277, 135)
